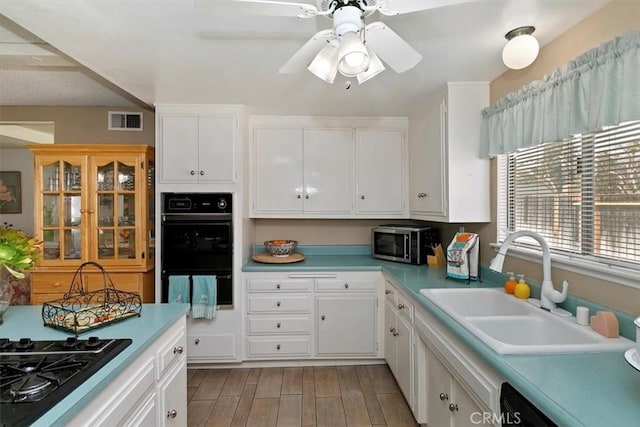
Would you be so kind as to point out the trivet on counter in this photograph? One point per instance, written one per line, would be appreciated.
(267, 258)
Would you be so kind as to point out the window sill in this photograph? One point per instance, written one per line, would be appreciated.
(607, 272)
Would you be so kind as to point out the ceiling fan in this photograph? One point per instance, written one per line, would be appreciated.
(353, 48)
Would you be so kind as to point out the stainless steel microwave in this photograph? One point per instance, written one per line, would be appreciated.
(403, 243)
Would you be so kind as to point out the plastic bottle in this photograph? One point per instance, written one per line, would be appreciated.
(522, 290)
(510, 283)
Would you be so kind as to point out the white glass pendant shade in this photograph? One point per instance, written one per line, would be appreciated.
(375, 67)
(521, 49)
(353, 58)
(325, 64)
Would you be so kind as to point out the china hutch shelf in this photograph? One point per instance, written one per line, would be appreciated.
(94, 203)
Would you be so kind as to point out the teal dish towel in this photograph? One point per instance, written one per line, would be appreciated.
(204, 297)
(179, 289)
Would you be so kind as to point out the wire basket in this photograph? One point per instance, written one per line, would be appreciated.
(80, 311)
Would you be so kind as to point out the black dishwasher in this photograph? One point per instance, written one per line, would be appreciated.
(518, 411)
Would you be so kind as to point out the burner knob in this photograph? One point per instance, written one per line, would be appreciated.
(70, 342)
(222, 203)
(92, 342)
(24, 343)
(5, 343)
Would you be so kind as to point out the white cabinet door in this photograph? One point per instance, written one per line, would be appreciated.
(179, 148)
(379, 171)
(346, 325)
(278, 177)
(327, 160)
(438, 391)
(404, 357)
(173, 398)
(216, 148)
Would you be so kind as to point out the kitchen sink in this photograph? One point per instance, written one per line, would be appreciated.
(512, 326)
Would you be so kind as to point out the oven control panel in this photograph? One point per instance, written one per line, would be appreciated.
(216, 203)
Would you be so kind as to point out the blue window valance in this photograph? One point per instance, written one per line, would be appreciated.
(600, 87)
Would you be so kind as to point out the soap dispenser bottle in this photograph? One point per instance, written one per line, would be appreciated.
(522, 290)
(510, 283)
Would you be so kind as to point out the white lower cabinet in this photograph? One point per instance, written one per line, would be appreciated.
(449, 403)
(312, 315)
(148, 391)
(214, 340)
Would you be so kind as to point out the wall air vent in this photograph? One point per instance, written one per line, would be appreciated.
(119, 120)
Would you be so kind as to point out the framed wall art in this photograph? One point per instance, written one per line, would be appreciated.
(10, 193)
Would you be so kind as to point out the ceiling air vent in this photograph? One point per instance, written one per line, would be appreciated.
(125, 120)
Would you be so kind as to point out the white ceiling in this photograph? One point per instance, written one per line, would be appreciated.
(172, 51)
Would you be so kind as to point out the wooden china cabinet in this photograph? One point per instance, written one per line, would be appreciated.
(94, 203)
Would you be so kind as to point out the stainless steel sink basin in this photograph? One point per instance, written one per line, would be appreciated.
(512, 326)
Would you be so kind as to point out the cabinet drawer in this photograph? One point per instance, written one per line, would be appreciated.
(51, 283)
(128, 282)
(211, 346)
(405, 308)
(171, 351)
(272, 325)
(279, 346)
(279, 304)
(345, 285)
(303, 285)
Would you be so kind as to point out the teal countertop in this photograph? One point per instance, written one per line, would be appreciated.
(26, 321)
(590, 389)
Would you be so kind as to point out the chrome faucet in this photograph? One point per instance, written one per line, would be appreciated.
(549, 296)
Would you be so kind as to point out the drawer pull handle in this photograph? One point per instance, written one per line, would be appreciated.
(400, 306)
(299, 196)
(392, 329)
(192, 172)
(56, 284)
(278, 325)
(178, 350)
(387, 291)
(278, 304)
(278, 347)
(395, 333)
(346, 286)
(323, 317)
(172, 413)
(201, 173)
(278, 286)
(453, 407)
(197, 341)
(444, 396)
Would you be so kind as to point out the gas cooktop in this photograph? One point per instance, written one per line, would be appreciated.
(36, 375)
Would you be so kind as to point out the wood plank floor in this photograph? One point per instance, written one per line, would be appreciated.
(331, 396)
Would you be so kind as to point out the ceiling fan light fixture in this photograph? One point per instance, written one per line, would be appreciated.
(325, 64)
(521, 49)
(375, 67)
(353, 57)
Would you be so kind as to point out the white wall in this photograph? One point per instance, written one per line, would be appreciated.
(20, 159)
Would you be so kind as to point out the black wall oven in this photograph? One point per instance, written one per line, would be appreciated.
(197, 240)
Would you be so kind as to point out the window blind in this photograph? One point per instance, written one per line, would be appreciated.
(582, 194)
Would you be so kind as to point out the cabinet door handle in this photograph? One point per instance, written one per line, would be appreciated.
(192, 172)
(362, 197)
(400, 306)
(306, 197)
(323, 317)
(278, 286)
(172, 413)
(278, 304)
(278, 347)
(178, 350)
(395, 333)
(392, 329)
(201, 173)
(453, 407)
(387, 291)
(197, 341)
(346, 286)
(299, 196)
(444, 396)
(278, 325)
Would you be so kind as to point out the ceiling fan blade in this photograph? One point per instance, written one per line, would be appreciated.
(260, 7)
(398, 7)
(391, 48)
(303, 57)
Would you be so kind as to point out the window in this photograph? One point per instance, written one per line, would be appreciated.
(581, 194)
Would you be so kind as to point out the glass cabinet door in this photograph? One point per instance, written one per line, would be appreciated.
(115, 214)
(61, 208)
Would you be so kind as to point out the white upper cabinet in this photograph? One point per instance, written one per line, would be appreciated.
(380, 171)
(198, 144)
(324, 168)
(448, 181)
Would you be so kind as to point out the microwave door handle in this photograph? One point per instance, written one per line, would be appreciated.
(406, 246)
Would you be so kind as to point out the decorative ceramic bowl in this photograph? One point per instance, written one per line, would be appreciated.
(280, 248)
